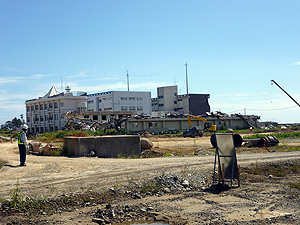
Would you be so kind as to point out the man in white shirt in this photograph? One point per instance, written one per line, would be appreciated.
(23, 144)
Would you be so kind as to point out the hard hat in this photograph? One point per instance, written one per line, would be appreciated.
(24, 127)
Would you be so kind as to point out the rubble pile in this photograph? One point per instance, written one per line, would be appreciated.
(82, 124)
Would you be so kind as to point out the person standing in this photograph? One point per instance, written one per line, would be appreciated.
(23, 144)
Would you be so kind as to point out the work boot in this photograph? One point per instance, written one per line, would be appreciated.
(22, 164)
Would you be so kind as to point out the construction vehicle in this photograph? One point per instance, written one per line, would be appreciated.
(207, 125)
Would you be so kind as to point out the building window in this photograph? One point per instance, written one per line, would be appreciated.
(139, 98)
(124, 108)
(131, 98)
(56, 116)
(55, 105)
(41, 106)
(32, 108)
(160, 105)
(103, 117)
(108, 109)
(131, 108)
(90, 101)
(106, 99)
(175, 94)
(50, 105)
(123, 98)
(28, 108)
(161, 96)
(46, 117)
(36, 107)
(99, 100)
(42, 129)
(135, 124)
(175, 102)
(95, 117)
(61, 104)
(86, 116)
(139, 108)
(28, 119)
(46, 106)
(41, 118)
(62, 116)
(51, 117)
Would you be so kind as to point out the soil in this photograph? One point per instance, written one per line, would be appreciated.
(264, 197)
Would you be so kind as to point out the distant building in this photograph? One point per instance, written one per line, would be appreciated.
(168, 101)
(46, 113)
(120, 101)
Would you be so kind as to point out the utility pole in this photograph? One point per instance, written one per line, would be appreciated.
(127, 80)
(175, 81)
(273, 81)
(186, 77)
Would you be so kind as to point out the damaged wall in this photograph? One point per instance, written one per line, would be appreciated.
(104, 146)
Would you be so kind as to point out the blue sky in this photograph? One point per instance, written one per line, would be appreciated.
(233, 49)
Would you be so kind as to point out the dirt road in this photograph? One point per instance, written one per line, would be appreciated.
(43, 173)
(52, 175)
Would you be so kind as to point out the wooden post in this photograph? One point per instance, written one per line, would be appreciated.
(239, 176)
(223, 174)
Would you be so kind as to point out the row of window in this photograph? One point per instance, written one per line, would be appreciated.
(46, 118)
(95, 117)
(175, 102)
(131, 108)
(45, 106)
(122, 98)
(43, 129)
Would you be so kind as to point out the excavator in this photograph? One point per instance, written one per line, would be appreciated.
(207, 125)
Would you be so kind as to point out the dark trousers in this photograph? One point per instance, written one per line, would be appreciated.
(22, 150)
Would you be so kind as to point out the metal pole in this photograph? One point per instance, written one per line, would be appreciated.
(186, 77)
(127, 80)
(285, 92)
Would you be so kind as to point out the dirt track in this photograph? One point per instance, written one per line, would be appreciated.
(53, 175)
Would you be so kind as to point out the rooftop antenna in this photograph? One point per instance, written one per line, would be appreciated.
(127, 75)
(186, 77)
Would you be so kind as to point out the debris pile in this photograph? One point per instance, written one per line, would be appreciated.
(38, 148)
(82, 124)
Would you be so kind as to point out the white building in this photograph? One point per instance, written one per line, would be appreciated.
(46, 113)
(120, 101)
(168, 101)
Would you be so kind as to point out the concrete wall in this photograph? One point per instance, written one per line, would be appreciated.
(104, 146)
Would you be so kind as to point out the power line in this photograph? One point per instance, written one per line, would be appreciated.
(273, 109)
(237, 110)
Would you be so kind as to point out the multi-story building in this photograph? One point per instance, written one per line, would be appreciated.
(168, 101)
(46, 113)
(120, 101)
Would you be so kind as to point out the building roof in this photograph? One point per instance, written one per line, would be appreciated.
(53, 91)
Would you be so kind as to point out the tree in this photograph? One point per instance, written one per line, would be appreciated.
(13, 124)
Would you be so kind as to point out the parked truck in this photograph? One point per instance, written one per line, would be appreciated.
(193, 132)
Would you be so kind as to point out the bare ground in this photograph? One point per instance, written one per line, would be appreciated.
(261, 199)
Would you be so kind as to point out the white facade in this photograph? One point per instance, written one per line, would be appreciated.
(169, 102)
(120, 101)
(46, 113)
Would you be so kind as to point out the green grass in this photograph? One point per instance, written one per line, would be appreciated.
(48, 136)
(279, 136)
